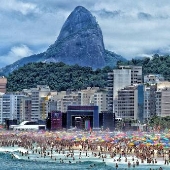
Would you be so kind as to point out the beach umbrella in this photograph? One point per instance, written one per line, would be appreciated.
(149, 141)
(137, 142)
(166, 147)
(148, 144)
(131, 144)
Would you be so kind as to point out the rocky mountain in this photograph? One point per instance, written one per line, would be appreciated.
(80, 42)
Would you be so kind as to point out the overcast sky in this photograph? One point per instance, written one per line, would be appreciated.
(131, 28)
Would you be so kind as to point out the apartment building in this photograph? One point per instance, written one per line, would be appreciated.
(86, 96)
(100, 100)
(156, 98)
(149, 101)
(118, 79)
(130, 102)
(65, 99)
(26, 104)
(44, 107)
(10, 107)
(163, 99)
(136, 75)
(127, 103)
(39, 104)
(153, 78)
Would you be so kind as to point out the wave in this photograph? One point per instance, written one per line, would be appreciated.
(11, 161)
(12, 149)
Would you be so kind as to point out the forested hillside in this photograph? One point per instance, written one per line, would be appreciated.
(58, 76)
(156, 65)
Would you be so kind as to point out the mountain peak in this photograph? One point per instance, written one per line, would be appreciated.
(80, 8)
(79, 19)
(80, 41)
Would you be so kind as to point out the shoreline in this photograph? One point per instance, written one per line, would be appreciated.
(34, 156)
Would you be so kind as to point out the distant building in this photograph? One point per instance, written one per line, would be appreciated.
(131, 102)
(140, 89)
(86, 95)
(163, 99)
(157, 99)
(119, 79)
(67, 99)
(39, 104)
(153, 78)
(25, 109)
(3, 82)
(128, 103)
(149, 101)
(73, 98)
(100, 100)
(10, 107)
(136, 75)
(52, 105)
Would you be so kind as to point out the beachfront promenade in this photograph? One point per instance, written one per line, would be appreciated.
(133, 149)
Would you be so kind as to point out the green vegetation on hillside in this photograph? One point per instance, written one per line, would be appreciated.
(155, 65)
(58, 76)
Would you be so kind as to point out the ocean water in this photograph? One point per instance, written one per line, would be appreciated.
(11, 159)
(7, 163)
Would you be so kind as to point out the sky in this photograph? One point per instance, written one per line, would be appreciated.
(131, 28)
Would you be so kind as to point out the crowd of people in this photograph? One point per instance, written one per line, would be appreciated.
(58, 148)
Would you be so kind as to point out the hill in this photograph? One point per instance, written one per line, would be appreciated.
(58, 76)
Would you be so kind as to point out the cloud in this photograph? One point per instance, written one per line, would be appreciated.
(108, 14)
(16, 53)
(139, 28)
(143, 15)
(18, 6)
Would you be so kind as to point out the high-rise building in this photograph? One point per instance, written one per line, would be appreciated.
(25, 108)
(165, 102)
(44, 107)
(39, 105)
(136, 75)
(128, 103)
(118, 79)
(163, 99)
(149, 101)
(10, 107)
(158, 102)
(156, 98)
(154, 83)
